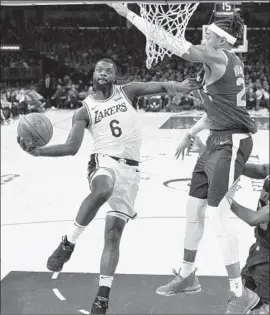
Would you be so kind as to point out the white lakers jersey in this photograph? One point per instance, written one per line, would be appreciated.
(114, 125)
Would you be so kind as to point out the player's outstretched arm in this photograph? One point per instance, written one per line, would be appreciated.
(73, 143)
(253, 218)
(180, 47)
(257, 171)
(135, 89)
(188, 139)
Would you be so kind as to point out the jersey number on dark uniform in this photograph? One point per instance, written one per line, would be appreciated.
(116, 131)
(241, 96)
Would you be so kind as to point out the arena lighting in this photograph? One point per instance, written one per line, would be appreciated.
(66, 2)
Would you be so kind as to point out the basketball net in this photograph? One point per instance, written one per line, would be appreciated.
(170, 19)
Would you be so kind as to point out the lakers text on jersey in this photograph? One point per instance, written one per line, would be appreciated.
(114, 125)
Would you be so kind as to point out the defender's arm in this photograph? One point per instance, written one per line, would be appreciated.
(135, 89)
(257, 171)
(180, 47)
(253, 218)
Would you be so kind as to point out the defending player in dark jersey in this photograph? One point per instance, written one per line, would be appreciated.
(255, 273)
(228, 149)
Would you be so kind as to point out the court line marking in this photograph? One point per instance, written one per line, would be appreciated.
(59, 295)
(98, 219)
(55, 275)
(84, 311)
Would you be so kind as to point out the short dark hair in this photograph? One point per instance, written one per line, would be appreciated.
(234, 25)
(108, 60)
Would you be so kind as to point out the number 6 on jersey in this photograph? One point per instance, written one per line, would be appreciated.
(116, 131)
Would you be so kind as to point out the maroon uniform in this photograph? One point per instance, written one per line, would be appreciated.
(230, 144)
(256, 271)
(225, 99)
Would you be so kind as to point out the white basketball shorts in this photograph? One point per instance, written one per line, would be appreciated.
(126, 180)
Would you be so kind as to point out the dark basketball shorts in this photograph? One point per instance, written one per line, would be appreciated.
(220, 165)
(255, 273)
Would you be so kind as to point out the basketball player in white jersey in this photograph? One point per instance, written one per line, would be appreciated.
(113, 171)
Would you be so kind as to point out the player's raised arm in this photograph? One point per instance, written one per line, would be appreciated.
(225, 31)
(73, 143)
(135, 89)
(258, 171)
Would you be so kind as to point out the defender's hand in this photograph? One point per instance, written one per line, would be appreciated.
(28, 146)
(196, 145)
(120, 8)
(188, 85)
(184, 144)
(185, 87)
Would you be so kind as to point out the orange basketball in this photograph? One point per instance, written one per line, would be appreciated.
(35, 128)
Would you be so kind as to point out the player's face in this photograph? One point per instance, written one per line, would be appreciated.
(212, 40)
(104, 75)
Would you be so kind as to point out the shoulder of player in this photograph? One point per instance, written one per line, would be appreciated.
(212, 55)
(88, 100)
(130, 88)
(81, 114)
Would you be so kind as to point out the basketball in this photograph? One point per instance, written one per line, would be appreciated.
(35, 128)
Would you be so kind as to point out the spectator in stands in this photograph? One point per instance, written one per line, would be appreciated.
(59, 97)
(22, 105)
(36, 103)
(48, 87)
(251, 99)
(6, 109)
(73, 97)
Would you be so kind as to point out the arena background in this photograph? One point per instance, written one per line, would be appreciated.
(47, 57)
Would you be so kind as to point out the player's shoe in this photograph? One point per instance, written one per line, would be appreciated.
(61, 255)
(178, 285)
(100, 305)
(243, 304)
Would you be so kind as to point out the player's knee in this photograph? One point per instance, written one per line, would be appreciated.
(102, 189)
(103, 196)
(195, 209)
(113, 237)
(220, 219)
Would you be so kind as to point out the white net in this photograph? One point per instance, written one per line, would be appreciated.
(169, 19)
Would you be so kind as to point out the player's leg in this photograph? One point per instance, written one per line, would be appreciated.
(256, 278)
(225, 165)
(186, 281)
(246, 272)
(109, 261)
(122, 209)
(260, 274)
(102, 184)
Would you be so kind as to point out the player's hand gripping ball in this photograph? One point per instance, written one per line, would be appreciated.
(34, 130)
(28, 146)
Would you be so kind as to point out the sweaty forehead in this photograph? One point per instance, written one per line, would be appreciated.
(105, 65)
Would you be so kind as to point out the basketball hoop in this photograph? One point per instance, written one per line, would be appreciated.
(171, 19)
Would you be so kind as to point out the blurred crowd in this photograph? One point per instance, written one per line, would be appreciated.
(78, 49)
(45, 94)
